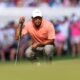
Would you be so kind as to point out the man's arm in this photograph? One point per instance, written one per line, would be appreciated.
(19, 27)
(50, 41)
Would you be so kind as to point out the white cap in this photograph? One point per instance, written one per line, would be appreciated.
(36, 13)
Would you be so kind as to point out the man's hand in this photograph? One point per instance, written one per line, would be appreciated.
(19, 27)
(21, 20)
(35, 45)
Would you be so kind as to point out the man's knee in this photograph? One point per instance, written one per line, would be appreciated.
(48, 49)
(29, 53)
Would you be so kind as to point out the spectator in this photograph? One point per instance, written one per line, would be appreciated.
(20, 3)
(70, 3)
(1, 45)
(43, 3)
(56, 3)
(30, 3)
(9, 44)
(62, 36)
(11, 3)
(75, 36)
(3, 4)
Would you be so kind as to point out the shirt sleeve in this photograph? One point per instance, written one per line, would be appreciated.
(51, 32)
(25, 30)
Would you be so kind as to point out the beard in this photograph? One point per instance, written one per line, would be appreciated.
(37, 25)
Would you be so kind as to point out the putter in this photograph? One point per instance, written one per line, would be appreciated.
(18, 47)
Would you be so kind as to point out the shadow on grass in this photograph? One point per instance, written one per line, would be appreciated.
(55, 58)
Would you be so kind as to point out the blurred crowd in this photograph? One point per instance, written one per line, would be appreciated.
(67, 38)
(39, 3)
(8, 43)
(67, 35)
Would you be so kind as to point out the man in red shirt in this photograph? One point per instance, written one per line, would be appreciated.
(41, 32)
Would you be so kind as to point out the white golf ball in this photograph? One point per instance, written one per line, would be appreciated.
(38, 64)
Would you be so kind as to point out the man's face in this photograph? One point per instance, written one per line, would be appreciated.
(37, 21)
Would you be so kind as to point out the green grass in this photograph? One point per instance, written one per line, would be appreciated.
(67, 69)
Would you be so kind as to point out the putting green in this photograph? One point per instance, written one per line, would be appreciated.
(57, 70)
